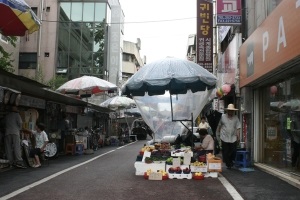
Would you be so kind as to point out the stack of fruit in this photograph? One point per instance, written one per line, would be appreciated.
(146, 148)
(186, 170)
(198, 176)
(199, 164)
(163, 173)
(148, 160)
(176, 170)
(169, 161)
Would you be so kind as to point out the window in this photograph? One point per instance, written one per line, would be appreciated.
(34, 9)
(27, 60)
(3, 38)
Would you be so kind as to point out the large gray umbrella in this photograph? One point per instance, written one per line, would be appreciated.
(177, 89)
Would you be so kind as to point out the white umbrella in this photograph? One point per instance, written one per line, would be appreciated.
(86, 84)
(118, 103)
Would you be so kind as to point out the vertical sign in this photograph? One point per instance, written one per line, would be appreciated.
(205, 34)
(229, 12)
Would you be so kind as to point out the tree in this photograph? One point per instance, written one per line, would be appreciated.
(57, 81)
(5, 60)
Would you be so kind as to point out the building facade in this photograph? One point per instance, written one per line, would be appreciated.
(269, 78)
(260, 58)
(76, 38)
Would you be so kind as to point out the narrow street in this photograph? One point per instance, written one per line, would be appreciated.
(109, 173)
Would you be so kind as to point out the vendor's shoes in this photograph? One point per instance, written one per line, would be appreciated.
(36, 166)
(18, 165)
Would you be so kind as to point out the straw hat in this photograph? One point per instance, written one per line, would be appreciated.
(231, 107)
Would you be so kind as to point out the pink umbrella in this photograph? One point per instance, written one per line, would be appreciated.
(86, 84)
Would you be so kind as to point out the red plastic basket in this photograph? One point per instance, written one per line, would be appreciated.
(198, 177)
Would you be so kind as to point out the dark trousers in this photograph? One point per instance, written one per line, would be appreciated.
(296, 152)
(34, 152)
(61, 145)
(228, 153)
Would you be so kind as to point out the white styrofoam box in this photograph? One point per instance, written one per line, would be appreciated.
(181, 166)
(141, 167)
(198, 168)
(211, 174)
(180, 176)
(180, 154)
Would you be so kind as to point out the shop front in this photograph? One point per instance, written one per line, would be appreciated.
(270, 98)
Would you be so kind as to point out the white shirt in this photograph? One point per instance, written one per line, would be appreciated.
(40, 138)
(204, 125)
(229, 127)
(208, 143)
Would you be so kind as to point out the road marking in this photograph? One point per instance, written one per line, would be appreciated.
(231, 190)
(21, 190)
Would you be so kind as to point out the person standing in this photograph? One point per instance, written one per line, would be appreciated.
(228, 132)
(64, 127)
(13, 126)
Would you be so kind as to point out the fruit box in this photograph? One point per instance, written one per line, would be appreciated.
(142, 167)
(198, 168)
(180, 176)
(151, 177)
(181, 166)
(214, 165)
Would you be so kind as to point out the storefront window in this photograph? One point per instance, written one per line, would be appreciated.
(281, 123)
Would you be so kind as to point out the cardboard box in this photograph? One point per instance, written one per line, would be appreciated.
(214, 164)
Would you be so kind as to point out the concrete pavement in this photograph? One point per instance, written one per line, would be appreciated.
(255, 184)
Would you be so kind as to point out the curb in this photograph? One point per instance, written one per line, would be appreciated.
(287, 177)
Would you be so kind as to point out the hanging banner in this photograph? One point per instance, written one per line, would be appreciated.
(229, 12)
(205, 34)
(223, 30)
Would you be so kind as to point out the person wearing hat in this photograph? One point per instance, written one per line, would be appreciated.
(228, 131)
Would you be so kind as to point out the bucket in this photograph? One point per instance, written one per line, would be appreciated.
(242, 145)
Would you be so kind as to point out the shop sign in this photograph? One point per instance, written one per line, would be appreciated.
(273, 44)
(229, 12)
(288, 148)
(215, 104)
(228, 63)
(271, 133)
(221, 106)
(72, 109)
(32, 102)
(223, 30)
(204, 42)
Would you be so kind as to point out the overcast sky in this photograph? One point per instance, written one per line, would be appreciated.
(162, 25)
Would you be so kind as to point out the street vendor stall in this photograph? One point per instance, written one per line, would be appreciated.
(170, 93)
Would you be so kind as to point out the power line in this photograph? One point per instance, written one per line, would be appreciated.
(138, 22)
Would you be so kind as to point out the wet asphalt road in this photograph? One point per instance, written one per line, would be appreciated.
(109, 174)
